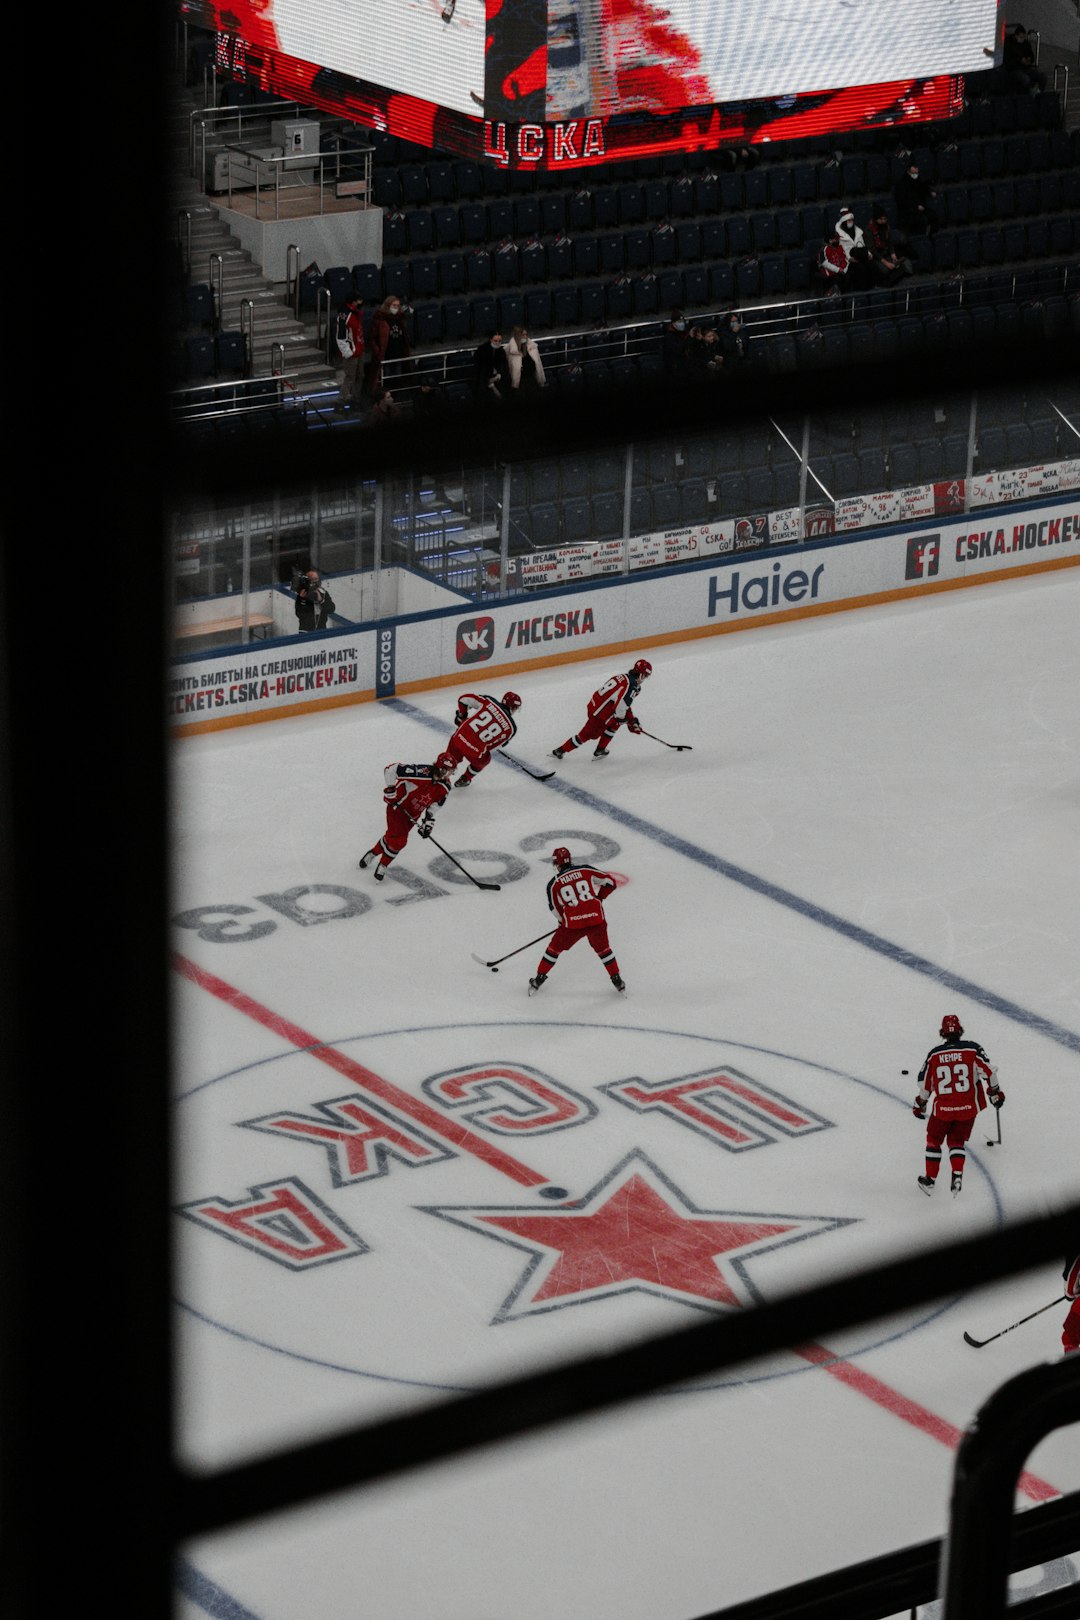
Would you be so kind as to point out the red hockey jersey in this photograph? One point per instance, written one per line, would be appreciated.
(412, 789)
(956, 1075)
(487, 726)
(612, 700)
(576, 895)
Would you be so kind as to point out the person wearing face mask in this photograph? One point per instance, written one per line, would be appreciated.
(491, 372)
(915, 203)
(675, 341)
(526, 367)
(387, 340)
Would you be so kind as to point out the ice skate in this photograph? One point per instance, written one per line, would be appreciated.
(618, 983)
(379, 873)
(464, 781)
(954, 1185)
(558, 753)
(927, 1184)
(364, 859)
(600, 753)
(536, 984)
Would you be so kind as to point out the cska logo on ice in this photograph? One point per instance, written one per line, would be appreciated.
(460, 1174)
(475, 640)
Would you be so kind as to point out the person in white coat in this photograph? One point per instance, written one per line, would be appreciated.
(526, 366)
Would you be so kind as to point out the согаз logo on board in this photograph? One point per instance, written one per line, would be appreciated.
(475, 640)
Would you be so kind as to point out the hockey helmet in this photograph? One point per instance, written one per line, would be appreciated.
(951, 1026)
(446, 764)
(642, 669)
(561, 857)
(511, 701)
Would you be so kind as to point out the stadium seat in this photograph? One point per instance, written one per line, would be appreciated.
(534, 262)
(552, 213)
(645, 294)
(605, 202)
(230, 352)
(419, 230)
(472, 223)
(395, 275)
(665, 505)
(566, 307)
(367, 282)
(559, 260)
(612, 253)
(428, 324)
(467, 181)
(414, 185)
(696, 286)
(713, 240)
(446, 223)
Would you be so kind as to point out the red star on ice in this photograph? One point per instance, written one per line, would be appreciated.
(634, 1231)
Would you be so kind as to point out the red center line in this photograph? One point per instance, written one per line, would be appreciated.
(458, 1136)
(911, 1412)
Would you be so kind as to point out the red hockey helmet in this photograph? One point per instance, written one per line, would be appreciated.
(511, 701)
(561, 857)
(446, 764)
(642, 669)
(951, 1026)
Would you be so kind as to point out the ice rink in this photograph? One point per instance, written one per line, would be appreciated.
(876, 824)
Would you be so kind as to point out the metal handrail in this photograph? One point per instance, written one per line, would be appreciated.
(1006, 1429)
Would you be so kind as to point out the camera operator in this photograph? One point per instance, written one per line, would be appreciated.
(313, 604)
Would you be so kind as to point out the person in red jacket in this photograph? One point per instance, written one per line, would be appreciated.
(388, 339)
(483, 724)
(412, 795)
(576, 895)
(609, 708)
(957, 1074)
(1070, 1332)
(349, 338)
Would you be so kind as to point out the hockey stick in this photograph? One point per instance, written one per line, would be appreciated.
(537, 776)
(457, 863)
(978, 1343)
(680, 748)
(494, 966)
(990, 1139)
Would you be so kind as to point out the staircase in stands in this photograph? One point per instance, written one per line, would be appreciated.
(281, 342)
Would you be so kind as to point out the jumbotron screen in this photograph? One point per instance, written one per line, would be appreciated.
(565, 83)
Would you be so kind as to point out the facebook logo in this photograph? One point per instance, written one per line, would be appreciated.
(475, 640)
(923, 556)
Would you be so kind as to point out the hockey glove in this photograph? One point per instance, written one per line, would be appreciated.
(460, 715)
(634, 725)
(919, 1110)
(424, 826)
(997, 1097)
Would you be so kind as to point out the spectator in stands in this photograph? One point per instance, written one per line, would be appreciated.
(734, 346)
(915, 210)
(387, 340)
(526, 367)
(705, 359)
(350, 344)
(859, 275)
(432, 402)
(491, 372)
(675, 343)
(889, 265)
(1022, 73)
(314, 604)
(384, 408)
(831, 267)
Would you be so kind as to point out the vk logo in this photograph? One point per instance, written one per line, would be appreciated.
(475, 640)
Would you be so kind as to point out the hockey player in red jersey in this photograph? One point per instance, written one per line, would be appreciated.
(1070, 1333)
(576, 895)
(483, 723)
(609, 708)
(412, 795)
(958, 1075)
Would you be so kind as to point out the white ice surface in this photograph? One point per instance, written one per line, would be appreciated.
(908, 775)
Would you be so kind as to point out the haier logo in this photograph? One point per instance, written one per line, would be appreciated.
(773, 589)
(923, 556)
(475, 640)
